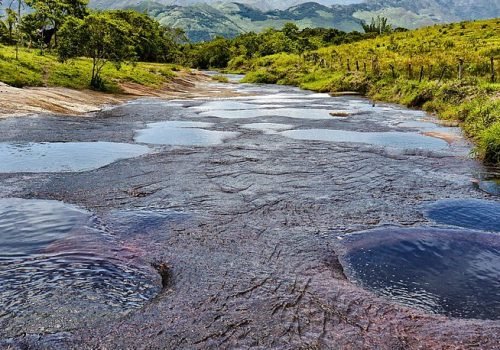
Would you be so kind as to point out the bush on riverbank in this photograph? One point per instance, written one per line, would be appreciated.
(33, 69)
(442, 69)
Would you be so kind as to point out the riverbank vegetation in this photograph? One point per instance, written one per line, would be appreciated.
(33, 69)
(451, 70)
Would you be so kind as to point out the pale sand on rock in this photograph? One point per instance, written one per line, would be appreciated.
(57, 100)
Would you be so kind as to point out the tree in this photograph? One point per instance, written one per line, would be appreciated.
(98, 36)
(378, 25)
(53, 13)
(11, 21)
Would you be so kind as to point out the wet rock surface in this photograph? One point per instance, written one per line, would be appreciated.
(248, 229)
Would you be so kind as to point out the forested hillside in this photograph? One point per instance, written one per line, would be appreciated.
(227, 18)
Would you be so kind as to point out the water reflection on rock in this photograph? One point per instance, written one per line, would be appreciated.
(64, 156)
(182, 133)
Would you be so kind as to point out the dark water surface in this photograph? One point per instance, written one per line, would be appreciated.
(451, 272)
(468, 213)
(54, 260)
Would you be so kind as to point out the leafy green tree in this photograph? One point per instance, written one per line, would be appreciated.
(10, 22)
(100, 36)
(152, 41)
(378, 25)
(54, 12)
(291, 31)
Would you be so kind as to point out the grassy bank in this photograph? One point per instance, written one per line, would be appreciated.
(34, 69)
(442, 69)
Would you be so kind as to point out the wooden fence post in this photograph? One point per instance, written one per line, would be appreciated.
(392, 70)
(442, 75)
(492, 62)
(410, 71)
(460, 68)
(357, 65)
(364, 66)
(348, 65)
(421, 76)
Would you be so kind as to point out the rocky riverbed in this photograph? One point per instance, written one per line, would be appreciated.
(227, 222)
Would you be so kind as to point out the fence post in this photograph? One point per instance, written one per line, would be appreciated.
(442, 75)
(492, 61)
(392, 70)
(460, 68)
(348, 65)
(357, 65)
(364, 66)
(410, 71)
(421, 76)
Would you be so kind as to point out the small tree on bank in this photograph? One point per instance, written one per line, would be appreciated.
(98, 36)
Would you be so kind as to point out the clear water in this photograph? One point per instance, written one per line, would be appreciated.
(393, 139)
(180, 133)
(456, 273)
(488, 180)
(269, 128)
(295, 113)
(55, 263)
(468, 213)
(64, 156)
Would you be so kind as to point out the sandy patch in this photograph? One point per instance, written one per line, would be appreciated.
(56, 100)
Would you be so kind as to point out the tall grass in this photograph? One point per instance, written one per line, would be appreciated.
(34, 69)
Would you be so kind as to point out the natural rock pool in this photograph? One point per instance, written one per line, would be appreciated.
(63, 156)
(275, 219)
(57, 268)
(446, 271)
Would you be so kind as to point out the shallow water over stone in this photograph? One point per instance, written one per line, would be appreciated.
(56, 265)
(400, 140)
(182, 133)
(469, 213)
(253, 260)
(451, 272)
(295, 113)
(64, 156)
(269, 128)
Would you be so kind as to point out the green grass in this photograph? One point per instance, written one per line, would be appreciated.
(220, 78)
(473, 101)
(34, 69)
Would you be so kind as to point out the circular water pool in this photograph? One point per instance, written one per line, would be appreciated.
(447, 271)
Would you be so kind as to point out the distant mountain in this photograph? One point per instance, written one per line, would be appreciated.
(202, 20)
(263, 5)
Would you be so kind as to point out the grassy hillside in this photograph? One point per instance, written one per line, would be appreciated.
(33, 69)
(418, 68)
